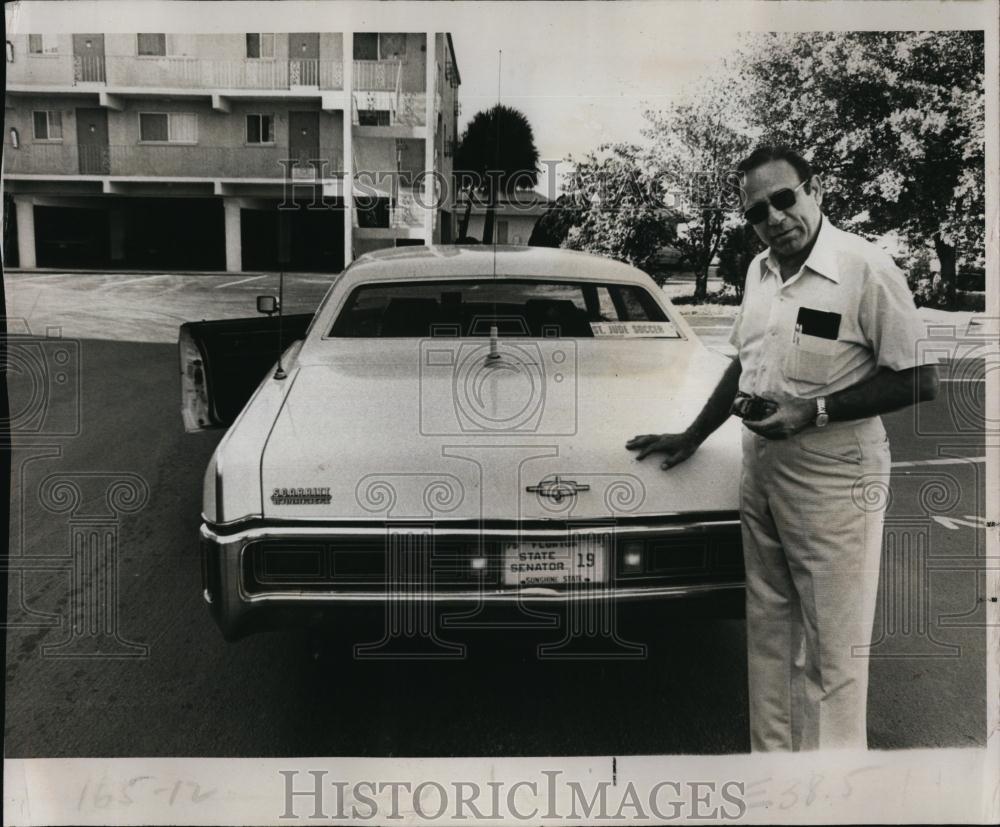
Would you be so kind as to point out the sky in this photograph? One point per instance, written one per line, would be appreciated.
(581, 78)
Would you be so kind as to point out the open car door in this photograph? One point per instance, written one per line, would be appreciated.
(223, 362)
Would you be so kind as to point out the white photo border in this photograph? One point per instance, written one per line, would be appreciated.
(947, 785)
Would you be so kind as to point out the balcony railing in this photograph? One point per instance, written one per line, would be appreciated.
(89, 69)
(175, 161)
(189, 72)
(405, 218)
(179, 72)
(387, 101)
(402, 213)
(412, 110)
(408, 213)
(377, 75)
(382, 81)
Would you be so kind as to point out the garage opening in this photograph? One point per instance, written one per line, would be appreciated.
(315, 238)
(11, 257)
(133, 234)
(174, 234)
(72, 237)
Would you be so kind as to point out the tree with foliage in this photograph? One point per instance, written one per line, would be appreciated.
(697, 143)
(496, 155)
(620, 213)
(894, 122)
(554, 224)
(737, 249)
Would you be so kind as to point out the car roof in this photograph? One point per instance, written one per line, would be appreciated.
(457, 261)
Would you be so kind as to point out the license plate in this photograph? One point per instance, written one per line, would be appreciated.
(557, 562)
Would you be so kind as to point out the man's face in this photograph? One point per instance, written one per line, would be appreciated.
(787, 232)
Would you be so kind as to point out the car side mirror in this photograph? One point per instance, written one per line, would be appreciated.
(268, 304)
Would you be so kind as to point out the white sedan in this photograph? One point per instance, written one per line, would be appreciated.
(450, 426)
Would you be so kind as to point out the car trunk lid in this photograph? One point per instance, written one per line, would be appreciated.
(434, 429)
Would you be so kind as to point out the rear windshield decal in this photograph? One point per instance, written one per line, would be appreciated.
(634, 330)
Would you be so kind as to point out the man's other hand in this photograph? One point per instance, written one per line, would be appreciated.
(675, 447)
(793, 414)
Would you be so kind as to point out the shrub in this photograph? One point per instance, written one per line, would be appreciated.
(926, 285)
(739, 246)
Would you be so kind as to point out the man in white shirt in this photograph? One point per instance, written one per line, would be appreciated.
(828, 337)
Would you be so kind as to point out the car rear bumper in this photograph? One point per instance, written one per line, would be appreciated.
(268, 576)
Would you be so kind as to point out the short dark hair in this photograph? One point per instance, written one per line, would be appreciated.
(776, 152)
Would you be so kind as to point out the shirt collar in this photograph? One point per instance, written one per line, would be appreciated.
(822, 258)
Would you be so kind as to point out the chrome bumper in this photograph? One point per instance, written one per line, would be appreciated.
(239, 612)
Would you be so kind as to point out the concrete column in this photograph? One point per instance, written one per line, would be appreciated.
(348, 188)
(429, 138)
(25, 208)
(234, 244)
(116, 221)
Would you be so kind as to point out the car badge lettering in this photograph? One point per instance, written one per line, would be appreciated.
(557, 488)
(300, 496)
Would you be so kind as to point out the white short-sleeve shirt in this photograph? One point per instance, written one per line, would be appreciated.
(847, 312)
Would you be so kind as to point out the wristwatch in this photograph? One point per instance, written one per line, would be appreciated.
(822, 417)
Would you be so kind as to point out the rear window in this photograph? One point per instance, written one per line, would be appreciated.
(529, 308)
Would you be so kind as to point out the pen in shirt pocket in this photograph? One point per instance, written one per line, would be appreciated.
(797, 334)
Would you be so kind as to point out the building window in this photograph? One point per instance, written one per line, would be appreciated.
(42, 44)
(153, 45)
(260, 129)
(168, 127)
(47, 125)
(373, 117)
(373, 46)
(365, 46)
(260, 45)
(391, 46)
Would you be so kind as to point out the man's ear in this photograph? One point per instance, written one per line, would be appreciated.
(816, 188)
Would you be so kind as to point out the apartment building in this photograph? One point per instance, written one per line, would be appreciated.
(243, 151)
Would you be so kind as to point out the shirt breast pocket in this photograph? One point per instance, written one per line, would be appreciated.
(810, 361)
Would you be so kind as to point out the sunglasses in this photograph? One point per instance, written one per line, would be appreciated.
(780, 200)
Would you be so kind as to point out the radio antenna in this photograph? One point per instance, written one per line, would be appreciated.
(496, 162)
(284, 256)
(494, 352)
(280, 372)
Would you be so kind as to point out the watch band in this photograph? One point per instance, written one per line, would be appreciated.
(822, 417)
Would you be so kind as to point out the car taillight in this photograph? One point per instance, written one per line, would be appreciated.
(632, 556)
(194, 388)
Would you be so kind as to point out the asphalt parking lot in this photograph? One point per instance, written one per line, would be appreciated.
(165, 683)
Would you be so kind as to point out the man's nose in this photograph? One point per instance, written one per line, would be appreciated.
(774, 215)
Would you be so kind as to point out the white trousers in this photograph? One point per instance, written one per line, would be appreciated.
(812, 509)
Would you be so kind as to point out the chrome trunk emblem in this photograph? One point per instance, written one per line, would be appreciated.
(557, 488)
